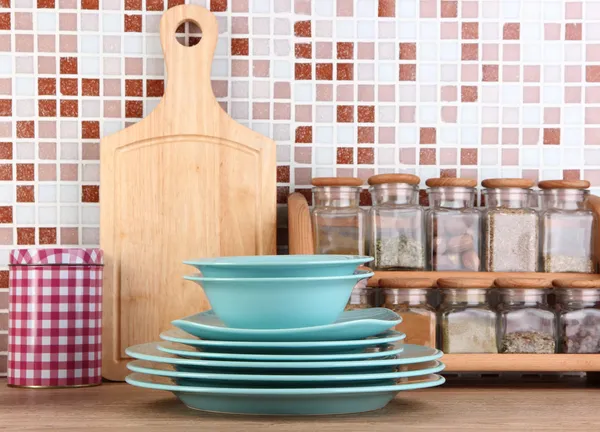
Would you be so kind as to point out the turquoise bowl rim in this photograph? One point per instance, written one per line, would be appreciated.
(360, 274)
(280, 260)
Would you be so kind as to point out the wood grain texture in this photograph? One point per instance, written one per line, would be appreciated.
(465, 282)
(508, 183)
(576, 283)
(394, 178)
(336, 181)
(301, 240)
(185, 182)
(399, 282)
(564, 184)
(529, 282)
(475, 406)
(522, 362)
(451, 182)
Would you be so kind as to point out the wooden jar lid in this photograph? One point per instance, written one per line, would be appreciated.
(522, 283)
(564, 184)
(462, 282)
(576, 283)
(337, 181)
(499, 183)
(410, 179)
(400, 282)
(451, 182)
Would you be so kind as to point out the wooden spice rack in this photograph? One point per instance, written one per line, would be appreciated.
(300, 240)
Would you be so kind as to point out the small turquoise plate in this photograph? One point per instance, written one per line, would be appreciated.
(356, 324)
(279, 266)
(367, 353)
(259, 347)
(284, 401)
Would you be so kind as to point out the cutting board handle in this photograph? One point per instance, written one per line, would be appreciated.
(188, 67)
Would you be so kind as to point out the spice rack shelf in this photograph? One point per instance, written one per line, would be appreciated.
(300, 241)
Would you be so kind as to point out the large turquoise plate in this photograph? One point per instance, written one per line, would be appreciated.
(279, 347)
(284, 401)
(187, 351)
(356, 324)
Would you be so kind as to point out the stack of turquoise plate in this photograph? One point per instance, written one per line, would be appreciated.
(277, 341)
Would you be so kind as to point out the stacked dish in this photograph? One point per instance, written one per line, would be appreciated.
(278, 342)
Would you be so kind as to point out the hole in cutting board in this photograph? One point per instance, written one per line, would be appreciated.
(188, 33)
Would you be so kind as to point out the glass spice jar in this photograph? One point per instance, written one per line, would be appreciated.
(567, 227)
(526, 324)
(578, 305)
(452, 225)
(397, 237)
(408, 298)
(338, 220)
(510, 226)
(467, 323)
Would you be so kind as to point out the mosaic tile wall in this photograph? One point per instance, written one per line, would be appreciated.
(346, 87)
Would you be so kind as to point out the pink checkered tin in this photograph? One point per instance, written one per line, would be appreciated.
(55, 318)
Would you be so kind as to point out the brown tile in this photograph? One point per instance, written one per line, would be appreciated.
(345, 71)
(6, 150)
(408, 51)
(470, 30)
(366, 134)
(155, 5)
(68, 86)
(407, 72)
(571, 174)
(173, 3)
(573, 31)
(134, 109)
(69, 236)
(5, 3)
(468, 94)
(365, 199)
(427, 156)
(25, 172)
(304, 134)
(468, 156)
(25, 194)
(90, 194)
(68, 66)
(90, 129)
(69, 108)
(5, 108)
(345, 50)
(283, 174)
(511, 31)
(365, 155)
(449, 9)
(386, 8)
(345, 114)
(133, 4)
(427, 135)
(240, 47)
(302, 29)
(283, 193)
(25, 236)
(133, 23)
(134, 87)
(366, 114)
(490, 72)
(6, 214)
(302, 71)
(4, 21)
(470, 51)
(155, 88)
(46, 86)
(6, 172)
(25, 129)
(324, 71)
(303, 50)
(90, 4)
(47, 236)
(45, 4)
(592, 73)
(551, 136)
(345, 155)
(218, 5)
(47, 108)
(90, 87)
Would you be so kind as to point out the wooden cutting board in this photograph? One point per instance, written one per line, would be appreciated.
(185, 182)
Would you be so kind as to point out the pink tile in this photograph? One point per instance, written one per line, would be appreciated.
(408, 156)
(23, 21)
(573, 10)
(47, 129)
(386, 93)
(551, 115)
(219, 88)
(469, 72)
(302, 7)
(282, 111)
(302, 176)
(47, 172)
(531, 94)
(489, 135)
(530, 174)
(324, 50)
(240, 68)
(324, 92)
(449, 114)
(239, 25)
(449, 93)
(6, 237)
(90, 151)
(428, 8)
(345, 92)
(490, 115)
(449, 30)
(344, 7)
(511, 73)
(510, 135)
(572, 94)
(593, 176)
(573, 31)
(260, 110)
(112, 87)
(303, 154)
(282, 90)
(68, 172)
(366, 92)
(23, 43)
(592, 115)
(531, 73)
(240, 5)
(69, 236)
(469, 9)
(47, 151)
(46, 43)
(551, 31)
(67, 21)
(260, 68)
(68, 43)
(573, 73)
(5, 86)
(469, 173)
(387, 135)
(511, 52)
(592, 52)
(592, 136)
(490, 52)
(344, 172)
(112, 109)
(448, 156)
(135, 66)
(592, 95)
(407, 114)
(531, 136)
(303, 113)
(366, 50)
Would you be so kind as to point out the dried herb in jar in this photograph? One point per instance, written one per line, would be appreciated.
(528, 342)
(554, 263)
(581, 332)
(401, 252)
(469, 331)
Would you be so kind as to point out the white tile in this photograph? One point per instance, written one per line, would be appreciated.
(428, 115)
(89, 66)
(552, 94)
(532, 115)
(111, 22)
(366, 29)
(408, 135)
(511, 10)
(25, 86)
(429, 30)
(25, 151)
(490, 31)
(449, 51)
(261, 6)
(324, 114)
(572, 115)
(344, 29)
(346, 135)
(386, 114)
(110, 127)
(324, 155)
(572, 137)
(447, 135)
(324, 134)
(366, 72)
(488, 156)
(282, 26)
(69, 129)
(324, 28)
(552, 53)
(46, 21)
(323, 8)
(427, 73)
(469, 114)
(553, 10)
(90, 108)
(153, 46)
(281, 69)
(406, 8)
(551, 156)
(531, 31)
(7, 194)
(133, 44)
(324, 172)
(387, 72)
(69, 193)
(47, 215)
(407, 30)
(69, 215)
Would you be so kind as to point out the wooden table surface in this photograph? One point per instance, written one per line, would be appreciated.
(563, 406)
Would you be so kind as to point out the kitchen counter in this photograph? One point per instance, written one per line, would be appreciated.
(475, 405)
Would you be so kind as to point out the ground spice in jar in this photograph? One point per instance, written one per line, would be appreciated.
(470, 331)
(554, 263)
(528, 342)
(401, 252)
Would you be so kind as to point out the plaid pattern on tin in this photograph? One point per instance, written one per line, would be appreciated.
(71, 256)
(55, 325)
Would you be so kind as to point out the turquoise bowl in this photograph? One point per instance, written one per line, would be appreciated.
(279, 303)
(278, 266)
